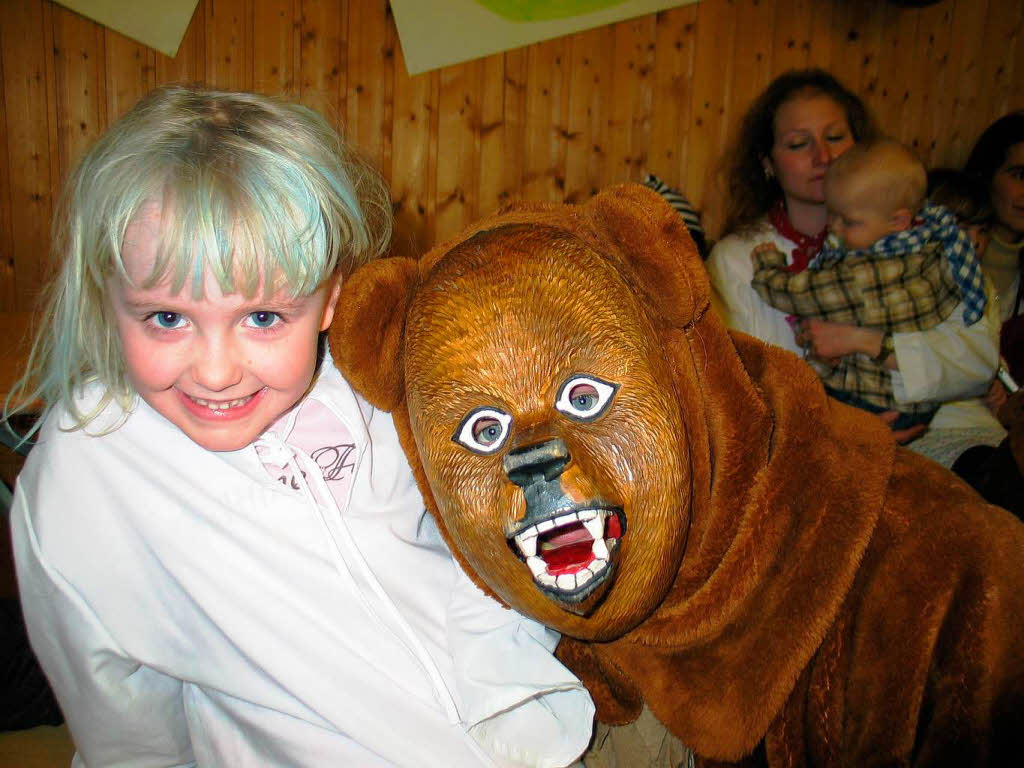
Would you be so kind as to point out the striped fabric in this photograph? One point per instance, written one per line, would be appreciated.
(685, 208)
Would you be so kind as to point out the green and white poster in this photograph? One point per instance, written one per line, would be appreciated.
(436, 33)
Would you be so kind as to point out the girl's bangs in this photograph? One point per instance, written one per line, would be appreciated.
(248, 231)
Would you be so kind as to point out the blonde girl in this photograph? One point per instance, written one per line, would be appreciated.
(222, 555)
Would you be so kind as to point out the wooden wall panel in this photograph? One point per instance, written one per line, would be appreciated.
(547, 86)
(935, 33)
(130, 73)
(322, 50)
(896, 58)
(553, 121)
(675, 37)
(590, 112)
(495, 133)
(822, 36)
(752, 56)
(1015, 56)
(78, 53)
(370, 77)
(628, 131)
(414, 159)
(965, 54)
(513, 132)
(275, 52)
(458, 147)
(794, 23)
(29, 150)
(7, 274)
(712, 80)
(1002, 30)
(229, 44)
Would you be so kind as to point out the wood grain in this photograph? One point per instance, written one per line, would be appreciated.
(556, 120)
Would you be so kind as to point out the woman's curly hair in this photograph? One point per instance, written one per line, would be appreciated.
(750, 192)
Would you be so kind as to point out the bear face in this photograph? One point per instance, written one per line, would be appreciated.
(550, 428)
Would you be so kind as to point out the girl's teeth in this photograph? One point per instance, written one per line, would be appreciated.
(221, 406)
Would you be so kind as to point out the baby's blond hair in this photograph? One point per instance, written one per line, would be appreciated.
(883, 171)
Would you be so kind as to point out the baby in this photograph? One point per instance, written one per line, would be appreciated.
(893, 263)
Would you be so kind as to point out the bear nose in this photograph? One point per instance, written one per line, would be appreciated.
(541, 461)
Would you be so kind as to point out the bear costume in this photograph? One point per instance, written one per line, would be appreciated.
(763, 566)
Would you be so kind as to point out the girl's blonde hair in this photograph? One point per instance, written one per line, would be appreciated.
(253, 191)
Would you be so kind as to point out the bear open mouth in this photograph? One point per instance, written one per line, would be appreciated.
(570, 553)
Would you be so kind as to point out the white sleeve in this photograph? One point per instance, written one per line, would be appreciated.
(519, 702)
(951, 361)
(731, 270)
(119, 712)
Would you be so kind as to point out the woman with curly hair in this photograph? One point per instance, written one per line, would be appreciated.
(791, 134)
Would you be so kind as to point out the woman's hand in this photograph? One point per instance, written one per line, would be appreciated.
(902, 436)
(831, 341)
(996, 396)
(766, 248)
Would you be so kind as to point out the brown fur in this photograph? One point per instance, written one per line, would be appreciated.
(791, 587)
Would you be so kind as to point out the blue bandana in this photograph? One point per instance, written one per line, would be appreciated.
(932, 223)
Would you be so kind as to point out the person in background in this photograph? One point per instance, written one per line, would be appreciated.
(982, 439)
(892, 262)
(962, 424)
(790, 135)
(222, 554)
(996, 163)
(964, 197)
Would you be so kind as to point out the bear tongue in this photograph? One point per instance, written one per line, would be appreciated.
(569, 534)
(567, 550)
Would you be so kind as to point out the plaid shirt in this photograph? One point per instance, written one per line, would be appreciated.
(911, 291)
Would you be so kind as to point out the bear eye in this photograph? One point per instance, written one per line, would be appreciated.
(584, 398)
(483, 430)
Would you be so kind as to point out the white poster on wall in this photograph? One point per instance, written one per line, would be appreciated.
(158, 24)
(436, 33)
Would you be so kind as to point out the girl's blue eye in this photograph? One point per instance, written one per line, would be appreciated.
(263, 319)
(168, 320)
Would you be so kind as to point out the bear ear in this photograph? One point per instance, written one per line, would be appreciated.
(369, 324)
(653, 237)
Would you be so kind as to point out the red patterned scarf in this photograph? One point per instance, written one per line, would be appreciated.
(807, 247)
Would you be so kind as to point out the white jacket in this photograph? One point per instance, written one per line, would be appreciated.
(947, 362)
(188, 609)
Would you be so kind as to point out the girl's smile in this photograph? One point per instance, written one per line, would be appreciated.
(224, 409)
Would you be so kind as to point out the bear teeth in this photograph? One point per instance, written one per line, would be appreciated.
(594, 521)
